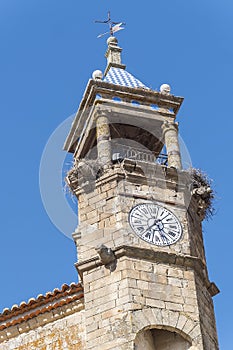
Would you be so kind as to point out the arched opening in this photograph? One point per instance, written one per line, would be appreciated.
(160, 339)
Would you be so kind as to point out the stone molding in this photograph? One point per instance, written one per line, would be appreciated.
(185, 261)
(107, 91)
(170, 126)
(130, 169)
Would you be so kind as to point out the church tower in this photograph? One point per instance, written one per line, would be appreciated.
(139, 240)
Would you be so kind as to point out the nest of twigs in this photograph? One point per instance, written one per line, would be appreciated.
(83, 174)
(202, 190)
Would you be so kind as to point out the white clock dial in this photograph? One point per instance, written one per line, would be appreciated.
(155, 224)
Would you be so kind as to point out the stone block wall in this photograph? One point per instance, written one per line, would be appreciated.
(103, 213)
(54, 321)
(67, 333)
(207, 319)
(150, 286)
(139, 295)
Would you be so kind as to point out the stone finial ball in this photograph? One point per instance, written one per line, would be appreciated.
(112, 40)
(165, 89)
(97, 75)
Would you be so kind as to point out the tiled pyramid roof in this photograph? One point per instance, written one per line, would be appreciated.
(119, 76)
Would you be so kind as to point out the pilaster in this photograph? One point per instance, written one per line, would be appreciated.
(170, 130)
(103, 138)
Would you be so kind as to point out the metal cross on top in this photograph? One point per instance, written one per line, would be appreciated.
(113, 26)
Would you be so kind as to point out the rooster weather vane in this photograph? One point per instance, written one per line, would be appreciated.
(113, 26)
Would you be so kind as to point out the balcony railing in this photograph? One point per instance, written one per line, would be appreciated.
(121, 152)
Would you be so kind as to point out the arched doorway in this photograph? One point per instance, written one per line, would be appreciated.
(160, 339)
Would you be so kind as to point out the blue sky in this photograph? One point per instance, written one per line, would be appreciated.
(48, 52)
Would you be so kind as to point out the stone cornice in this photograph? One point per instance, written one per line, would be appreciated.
(185, 261)
(105, 89)
(170, 177)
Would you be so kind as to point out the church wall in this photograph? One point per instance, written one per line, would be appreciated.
(161, 280)
(49, 331)
(103, 213)
(196, 236)
(207, 319)
(136, 295)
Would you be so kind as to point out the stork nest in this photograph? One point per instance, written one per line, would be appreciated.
(202, 190)
(83, 173)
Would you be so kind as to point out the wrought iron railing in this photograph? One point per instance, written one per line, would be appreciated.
(121, 152)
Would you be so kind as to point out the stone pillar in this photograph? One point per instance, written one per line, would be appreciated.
(103, 138)
(113, 54)
(170, 131)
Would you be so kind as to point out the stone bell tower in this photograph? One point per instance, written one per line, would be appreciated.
(139, 240)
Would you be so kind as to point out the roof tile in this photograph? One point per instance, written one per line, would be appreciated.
(119, 76)
(43, 303)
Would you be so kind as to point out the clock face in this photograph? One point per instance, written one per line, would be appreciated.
(155, 224)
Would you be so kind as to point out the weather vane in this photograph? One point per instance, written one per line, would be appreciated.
(113, 26)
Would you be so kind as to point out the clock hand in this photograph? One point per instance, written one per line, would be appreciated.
(150, 227)
(166, 235)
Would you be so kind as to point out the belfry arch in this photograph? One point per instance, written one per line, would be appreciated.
(161, 329)
(161, 339)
